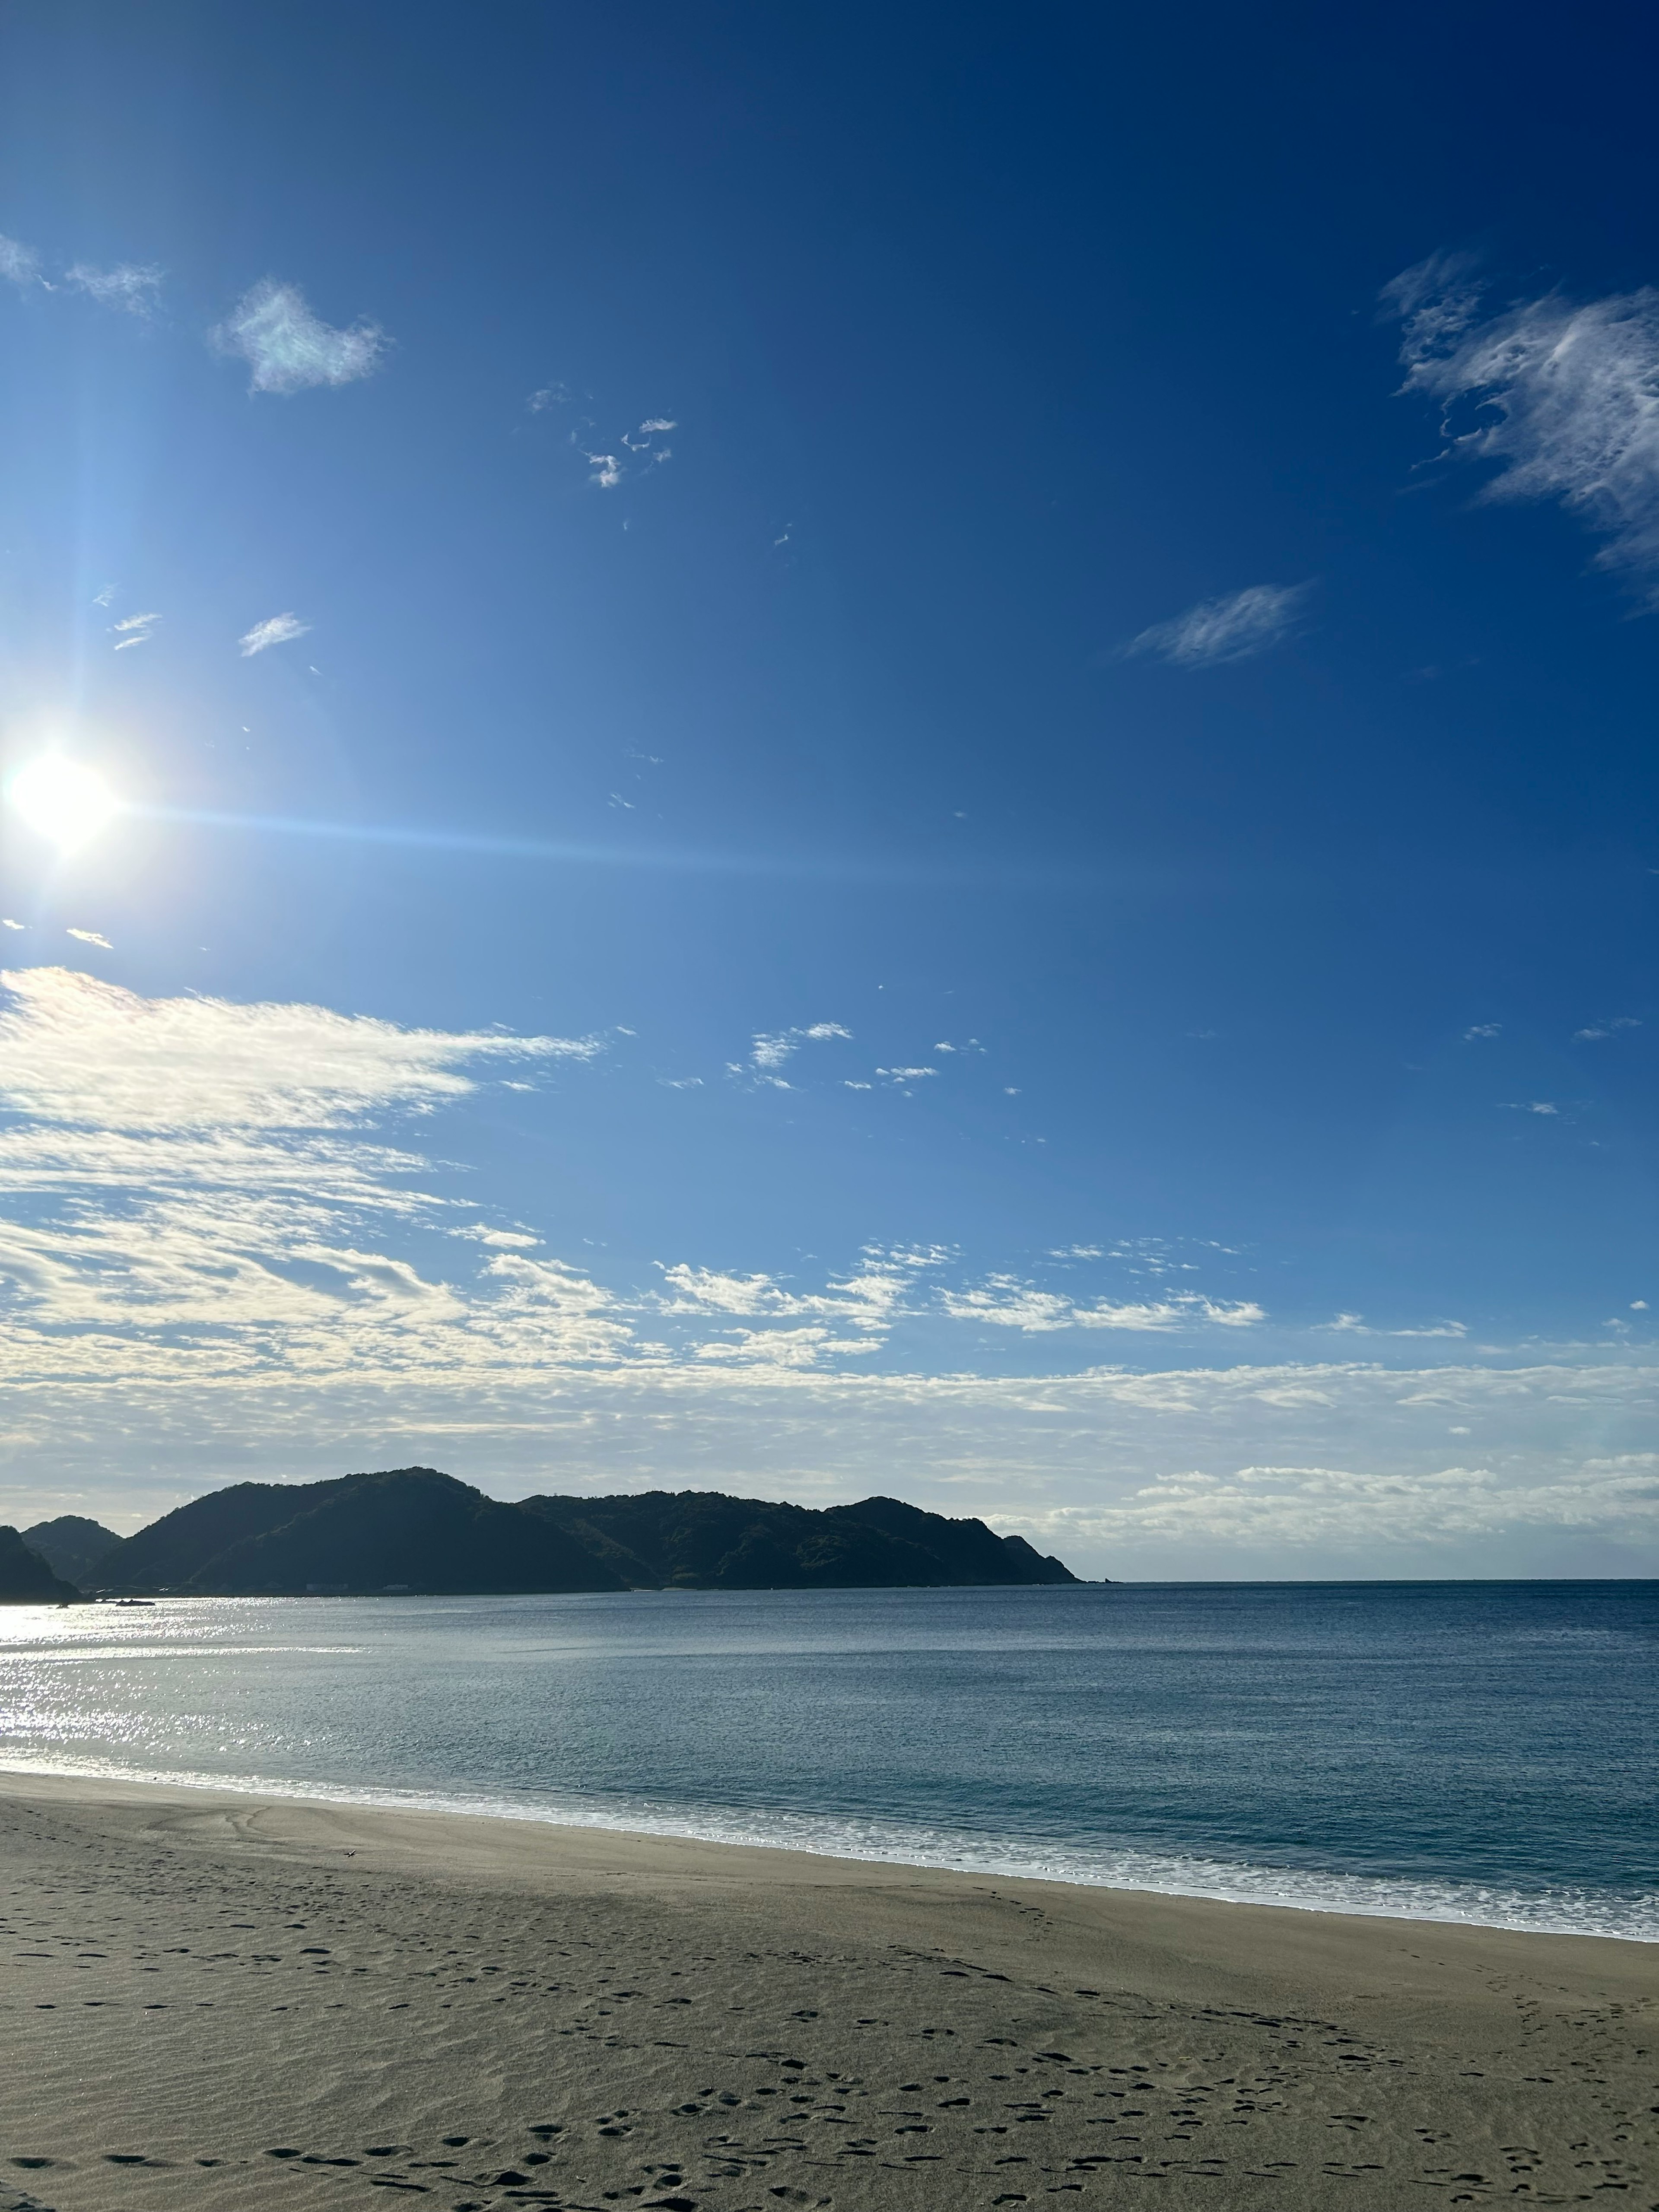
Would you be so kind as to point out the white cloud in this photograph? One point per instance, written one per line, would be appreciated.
(550, 395)
(1530, 1106)
(193, 1183)
(90, 937)
(1606, 1029)
(1560, 397)
(808, 1347)
(76, 1050)
(769, 1049)
(286, 346)
(709, 1290)
(609, 469)
(275, 630)
(19, 263)
(1482, 1030)
(1232, 629)
(1183, 1310)
(1007, 1303)
(868, 1301)
(6, 922)
(906, 1075)
(209, 1253)
(134, 630)
(1354, 1507)
(1294, 1470)
(128, 285)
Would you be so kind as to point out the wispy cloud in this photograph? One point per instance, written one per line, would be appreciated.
(201, 1209)
(771, 1048)
(211, 1169)
(129, 285)
(609, 469)
(134, 629)
(867, 1302)
(1482, 1030)
(6, 922)
(275, 630)
(550, 395)
(1559, 396)
(289, 348)
(1232, 629)
(1007, 1303)
(19, 263)
(76, 1050)
(1606, 1029)
(810, 1345)
(1530, 1106)
(90, 937)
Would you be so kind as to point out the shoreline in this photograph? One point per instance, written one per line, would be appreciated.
(215, 2000)
(1244, 1886)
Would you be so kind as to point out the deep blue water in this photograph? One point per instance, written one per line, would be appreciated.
(1477, 1751)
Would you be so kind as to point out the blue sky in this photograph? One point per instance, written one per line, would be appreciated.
(855, 752)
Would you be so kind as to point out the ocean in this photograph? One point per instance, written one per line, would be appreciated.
(1482, 1753)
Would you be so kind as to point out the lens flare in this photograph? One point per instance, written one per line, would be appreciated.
(62, 801)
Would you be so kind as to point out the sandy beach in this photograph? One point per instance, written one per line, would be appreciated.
(222, 2001)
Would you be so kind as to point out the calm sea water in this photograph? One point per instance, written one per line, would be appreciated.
(1481, 1751)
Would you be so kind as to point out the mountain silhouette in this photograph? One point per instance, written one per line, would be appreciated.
(415, 1530)
(24, 1577)
(72, 1546)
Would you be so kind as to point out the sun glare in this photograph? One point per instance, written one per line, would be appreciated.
(61, 800)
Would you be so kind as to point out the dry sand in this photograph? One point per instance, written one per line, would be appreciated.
(215, 2001)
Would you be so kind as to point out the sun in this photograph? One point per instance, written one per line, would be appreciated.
(61, 800)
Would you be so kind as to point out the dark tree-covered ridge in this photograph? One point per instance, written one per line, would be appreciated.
(703, 1540)
(24, 1577)
(72, 1546)
(416, 1530)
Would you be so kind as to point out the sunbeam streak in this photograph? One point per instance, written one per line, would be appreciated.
(797, 867)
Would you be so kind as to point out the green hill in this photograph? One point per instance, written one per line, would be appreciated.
(24, 1577)
(415, 1530)
(73, 1546)
(410, 1529)
(703, 1539)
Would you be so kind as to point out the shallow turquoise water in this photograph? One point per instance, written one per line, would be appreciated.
(1483, 1752)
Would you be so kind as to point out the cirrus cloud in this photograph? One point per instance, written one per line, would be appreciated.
(275, 630)
(1235, 627)
(129, 285)
(1560, 395)
(289, 348)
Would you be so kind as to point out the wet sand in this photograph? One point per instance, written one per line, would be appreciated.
(217, 2001)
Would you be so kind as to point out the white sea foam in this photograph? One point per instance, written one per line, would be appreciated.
(1633, 1917)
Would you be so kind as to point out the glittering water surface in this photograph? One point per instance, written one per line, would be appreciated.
(1481, 1751)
